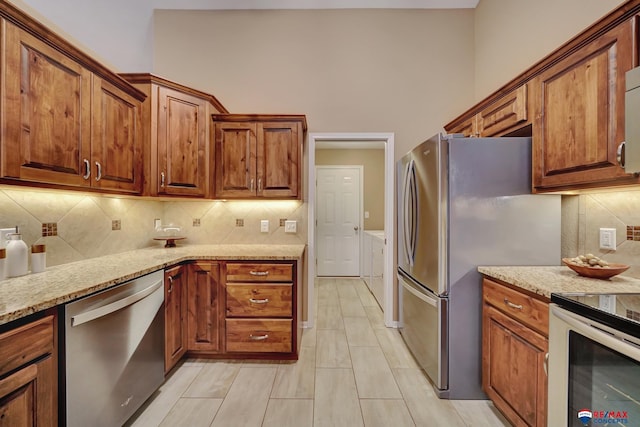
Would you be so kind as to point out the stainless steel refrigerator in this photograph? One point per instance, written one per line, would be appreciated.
(464, 202)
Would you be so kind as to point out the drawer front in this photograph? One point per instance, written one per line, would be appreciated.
(25, 343)
(259, 300)
(259, 335)
(530, 311)
(259, 272)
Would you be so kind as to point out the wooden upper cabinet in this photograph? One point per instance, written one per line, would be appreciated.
(258, 155)
(467, 127)
(116, 141)
(580, 114)
(178, 157)
(66, 121)
(47, 116)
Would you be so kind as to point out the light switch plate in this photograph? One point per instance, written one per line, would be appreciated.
(290, 226)
(608, 238)
(3, 236)
(264, 226)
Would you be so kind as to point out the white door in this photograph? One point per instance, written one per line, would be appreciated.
(338, 220)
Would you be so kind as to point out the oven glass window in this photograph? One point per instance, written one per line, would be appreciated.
(604, 385)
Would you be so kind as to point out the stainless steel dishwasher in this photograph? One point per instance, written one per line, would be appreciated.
(114, 351)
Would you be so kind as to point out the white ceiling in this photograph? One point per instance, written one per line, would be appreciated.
(313, 4)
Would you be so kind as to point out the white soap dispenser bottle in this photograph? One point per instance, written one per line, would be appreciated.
(17, 255)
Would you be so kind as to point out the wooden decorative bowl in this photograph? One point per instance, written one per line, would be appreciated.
(594, 272)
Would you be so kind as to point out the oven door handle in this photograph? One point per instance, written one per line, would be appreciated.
(617, 342)
(90, 315)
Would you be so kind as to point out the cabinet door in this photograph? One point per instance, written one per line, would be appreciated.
(116, 143)
(278, 159)
(235, 159)
(47, 105)
(513, 376)
(203, 307)
(579, 118)
(505, 115)
(468, 127)
(183, 155)
(175, 300)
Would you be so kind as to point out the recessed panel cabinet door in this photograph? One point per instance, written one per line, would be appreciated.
(182, 144)
(278, 159)
(116, 143)
(579, 120)
(204, 306)
(46, 134)
(175, 319)
(235, 159)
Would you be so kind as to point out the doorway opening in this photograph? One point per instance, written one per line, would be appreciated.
(351, 141)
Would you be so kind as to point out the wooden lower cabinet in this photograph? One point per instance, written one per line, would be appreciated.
(175, 312)
(514, 351)
(203, 295)
(28, 375)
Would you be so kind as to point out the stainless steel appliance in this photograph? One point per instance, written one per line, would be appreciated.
(629, 151)
(594, 360)
(464, 202)
(114, 351)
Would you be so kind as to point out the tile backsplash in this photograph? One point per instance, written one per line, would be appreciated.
(76, 226)
(584, 215)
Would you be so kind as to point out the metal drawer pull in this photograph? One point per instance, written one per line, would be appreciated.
(259, 337)
(87, 169)
(545, 365)
(259, 301)
(99, 167)
(512, 305)
(259, 273)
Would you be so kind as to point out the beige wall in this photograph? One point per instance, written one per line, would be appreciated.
(373, 162)
(401, 71)
(512, 35)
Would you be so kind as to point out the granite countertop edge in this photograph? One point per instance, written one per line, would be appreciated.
(545, 280)
(33, 293)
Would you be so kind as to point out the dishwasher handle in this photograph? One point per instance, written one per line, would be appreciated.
(90, 315)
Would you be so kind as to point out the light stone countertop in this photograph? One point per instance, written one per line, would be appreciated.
(21, 296)
(545, 280)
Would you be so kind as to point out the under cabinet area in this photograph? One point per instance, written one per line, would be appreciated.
(515, 331)
(28, 374)
(258, 156)
(64, 123)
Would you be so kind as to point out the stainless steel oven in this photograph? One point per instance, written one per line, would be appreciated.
(594, 360)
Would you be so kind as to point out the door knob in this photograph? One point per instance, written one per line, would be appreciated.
(355, 228)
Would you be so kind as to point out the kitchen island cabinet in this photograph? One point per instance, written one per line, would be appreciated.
(67, 121)
(178, 157)
(258, 156)
(515, 331)
(28, 374)
(175, 320)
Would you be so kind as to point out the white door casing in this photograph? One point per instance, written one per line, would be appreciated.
(338, 217)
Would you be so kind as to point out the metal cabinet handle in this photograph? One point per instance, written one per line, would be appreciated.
(87, 169)
(251, 185)
(620, 153)
(258, 337)
(512, 305)
(99, 167)
(259, 273)
(259, 301)
(170, 284)
(545, 364)
(259, 185)
(161, 179)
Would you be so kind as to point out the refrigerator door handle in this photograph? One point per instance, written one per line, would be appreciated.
(413, 192)
(416, 292)
(406, 214)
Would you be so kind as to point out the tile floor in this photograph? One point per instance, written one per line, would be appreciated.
(352, 371)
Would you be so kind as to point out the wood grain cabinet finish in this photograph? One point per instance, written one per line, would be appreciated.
(28, 375)
(258, 156)
(204, 307)
(175, 320)
(62, 123)
(261, 309)
(514, 354)
(179, 157)
(580, 114)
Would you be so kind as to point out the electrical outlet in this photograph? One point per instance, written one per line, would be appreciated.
(290, 226)
(264, 226)
(366, 214)
(608, 238)
(607, 303)
(3, 235)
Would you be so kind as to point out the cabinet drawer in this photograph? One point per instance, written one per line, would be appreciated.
(530, 311)
(259, 300)
(259, 335)
(25, 343)
(259, 272)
